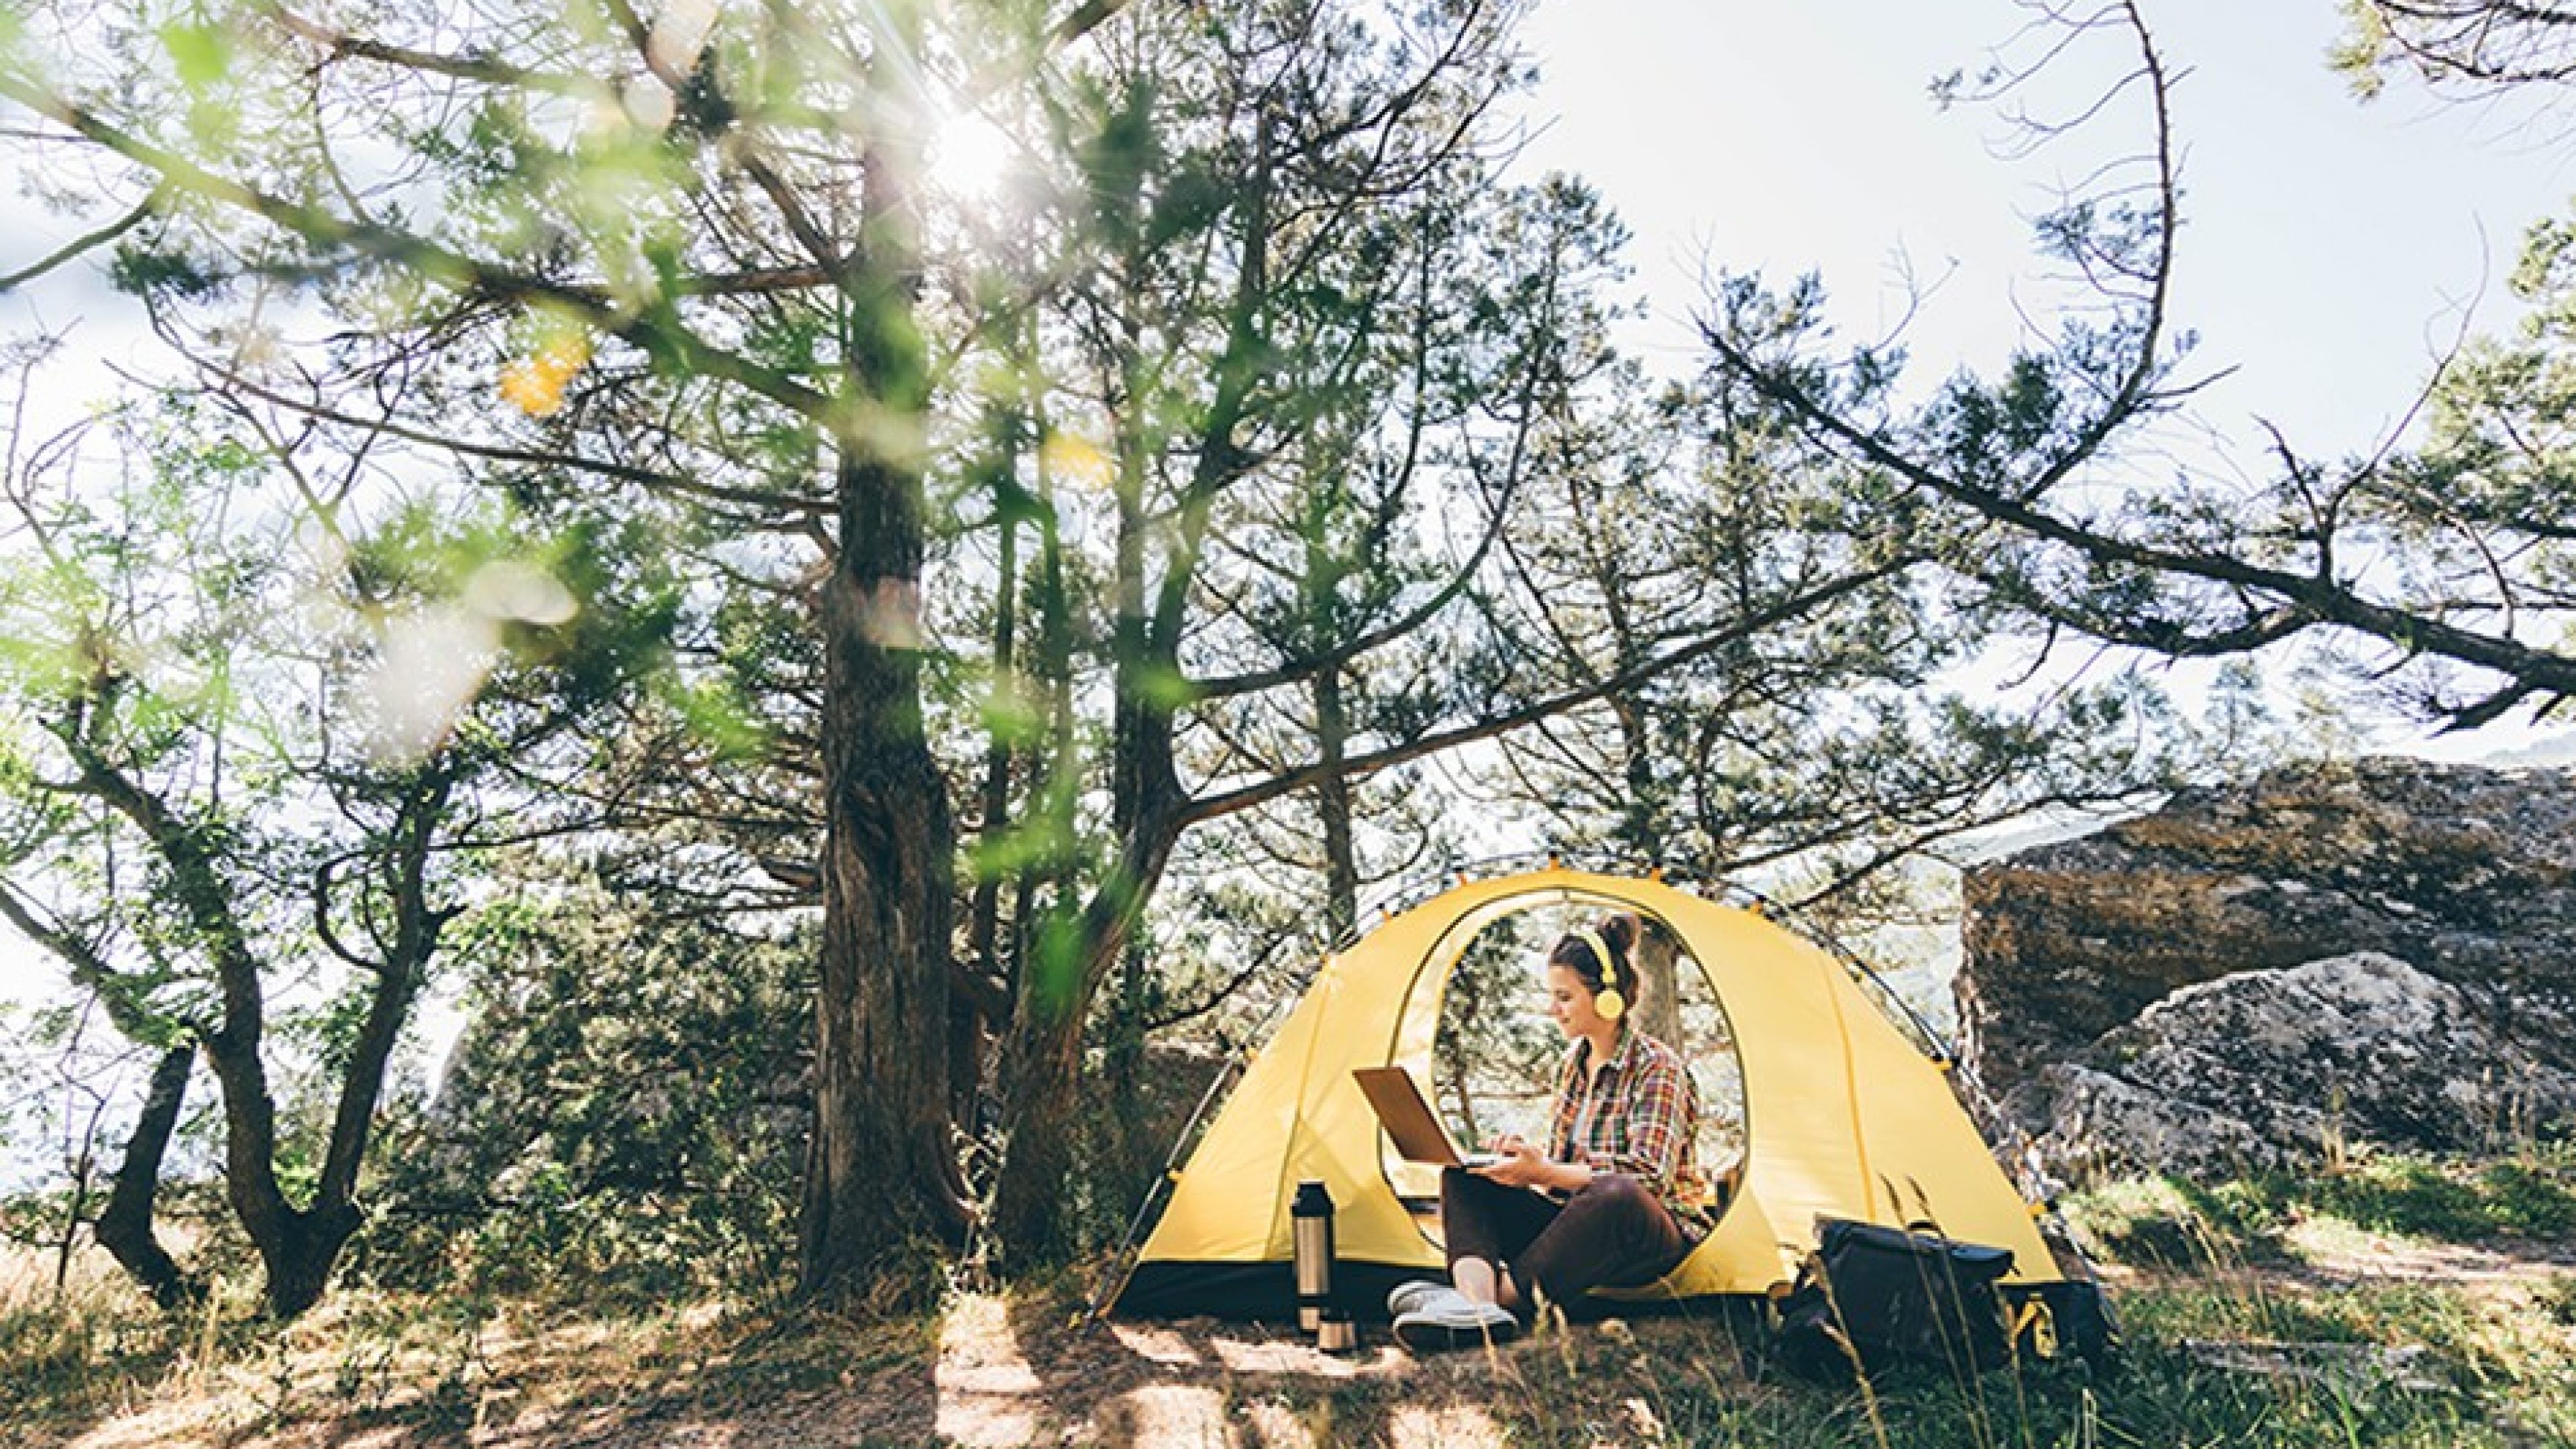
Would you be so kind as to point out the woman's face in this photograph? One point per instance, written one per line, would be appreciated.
(1569, 1002)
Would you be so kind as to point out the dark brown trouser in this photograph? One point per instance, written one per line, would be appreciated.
(1612, 1233)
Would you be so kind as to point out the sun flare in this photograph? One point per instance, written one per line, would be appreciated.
(970, 157)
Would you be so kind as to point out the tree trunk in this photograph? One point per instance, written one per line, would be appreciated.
(967, 1038)
(882, 1171)
(1045, 1058)
(299, 1247)
(967, 1023)
(299, 1258)
(1318, 587)
(1130, 1154)
(83, 1164)
(1659, 1012)
(1465, 1003)
(1333, 804)
(975, 1015)
(124, 1226)
(296, 1248)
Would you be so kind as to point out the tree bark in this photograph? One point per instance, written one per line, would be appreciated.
(1318, 588)
(124, 1225)
(1044, 1066)
(883, 1170)
(1129, 1154)
(1659, 1012)
(882, 1173)
(1333, 805)
(967, 1024)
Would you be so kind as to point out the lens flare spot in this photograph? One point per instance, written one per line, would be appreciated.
(1078, 461)
(505, 590)
(534, 382)
(649, 103)
(680, 35)
(431, 665)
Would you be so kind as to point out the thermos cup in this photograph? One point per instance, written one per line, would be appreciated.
(1311, 1222)
(1336, 1333)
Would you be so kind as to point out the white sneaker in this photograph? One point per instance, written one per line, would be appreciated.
(1455, 1321)
(1417, 1295)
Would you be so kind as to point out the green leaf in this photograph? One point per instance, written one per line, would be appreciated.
(203, 53)
(1163, 687)
(1042, 840)
(717, 715)
(1054, 981)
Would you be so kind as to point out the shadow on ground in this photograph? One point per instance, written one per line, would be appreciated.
(988, 1371)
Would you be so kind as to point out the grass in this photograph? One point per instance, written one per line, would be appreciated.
(2236, 1335)
(2458, 1270)
(88, 1343)
(2513, 1200)
(2169, 1223)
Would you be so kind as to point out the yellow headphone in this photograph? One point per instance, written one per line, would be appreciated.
(1609, 1001)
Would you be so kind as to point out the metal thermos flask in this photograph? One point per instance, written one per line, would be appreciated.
(1337, 1334)
(1311, 1222)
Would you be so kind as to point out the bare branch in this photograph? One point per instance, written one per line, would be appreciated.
(87, 242)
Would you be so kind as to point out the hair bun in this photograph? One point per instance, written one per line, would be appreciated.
(1620, 934)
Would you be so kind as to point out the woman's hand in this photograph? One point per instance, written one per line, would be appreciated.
(1521, 1164)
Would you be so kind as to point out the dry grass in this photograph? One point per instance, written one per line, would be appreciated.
(988, 1370)
(2480, 1345)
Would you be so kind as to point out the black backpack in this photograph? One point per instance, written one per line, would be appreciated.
(1870, 1297)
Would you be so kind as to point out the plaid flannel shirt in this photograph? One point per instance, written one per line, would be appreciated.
(1639, 1116)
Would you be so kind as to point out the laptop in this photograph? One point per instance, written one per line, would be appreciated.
(1417, 1134)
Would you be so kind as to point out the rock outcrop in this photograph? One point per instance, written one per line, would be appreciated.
(2285, 1068)
(2374, 953)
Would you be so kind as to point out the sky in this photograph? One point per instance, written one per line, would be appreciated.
(2332, 249)
(2330, 246)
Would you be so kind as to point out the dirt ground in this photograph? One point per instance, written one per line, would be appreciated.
(990, 1371)
(1001, 1372)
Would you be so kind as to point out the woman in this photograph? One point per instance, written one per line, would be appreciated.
(1616, 1198)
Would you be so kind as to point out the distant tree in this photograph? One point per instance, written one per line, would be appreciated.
(1836, 742)
(2487, 498)
(257, 722)
(2480, 43)
(2095, 532)
(625, 1108)
(1813, 754)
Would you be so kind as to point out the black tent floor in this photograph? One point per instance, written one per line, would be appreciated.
(1267, 1293)
(1255, 1292)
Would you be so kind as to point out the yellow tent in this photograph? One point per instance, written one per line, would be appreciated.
(1843, 1117)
